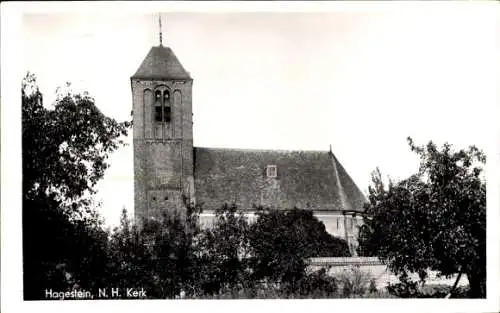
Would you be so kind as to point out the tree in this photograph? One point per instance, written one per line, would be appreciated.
(435, 219)
(170, 240)
(224, 251)
(61, 252)
(65, 147)
(158, 255)
(282, 241)
(129, 257)
(64, 153)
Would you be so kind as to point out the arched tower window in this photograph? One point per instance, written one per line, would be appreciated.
(162, 106)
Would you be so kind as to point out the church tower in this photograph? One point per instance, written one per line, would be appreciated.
(163, 134)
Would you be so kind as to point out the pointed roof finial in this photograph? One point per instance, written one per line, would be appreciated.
(159, 22)
(331, 148)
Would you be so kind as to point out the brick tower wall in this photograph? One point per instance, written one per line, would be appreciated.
(163, 153)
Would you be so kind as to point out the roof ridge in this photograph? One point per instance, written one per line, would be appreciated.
(263, 150)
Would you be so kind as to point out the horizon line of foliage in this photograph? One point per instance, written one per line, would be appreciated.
(434, 220)
(65, 148)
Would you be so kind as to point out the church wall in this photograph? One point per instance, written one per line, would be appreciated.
(163, 165)
(337, 223)
(140, 196)
(342, 226)
(138, 88)
(187, 108)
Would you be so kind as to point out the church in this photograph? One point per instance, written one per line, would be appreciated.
(168, 167)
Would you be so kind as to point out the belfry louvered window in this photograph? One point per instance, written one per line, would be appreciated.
(162, 106)
(166, 106)
(158, 107)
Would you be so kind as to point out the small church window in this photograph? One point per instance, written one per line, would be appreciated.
(272, 171)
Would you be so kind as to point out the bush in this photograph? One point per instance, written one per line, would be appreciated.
(376, 295)
(406, 288)
(434, 291)
(410, 289)
(281, 241)
(223, 253)
(354, 282)
(316, 285)
(373, 286)
(461, 292)
(441, 291)
(312, 286)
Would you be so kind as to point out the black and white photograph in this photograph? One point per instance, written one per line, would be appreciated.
(231, 151)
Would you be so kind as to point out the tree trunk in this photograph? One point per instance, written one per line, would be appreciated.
(452, 290)
(477, 284)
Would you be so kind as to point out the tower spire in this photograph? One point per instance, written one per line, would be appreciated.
(161, 37)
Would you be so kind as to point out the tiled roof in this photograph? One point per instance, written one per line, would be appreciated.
(161, 63)
(305, 179)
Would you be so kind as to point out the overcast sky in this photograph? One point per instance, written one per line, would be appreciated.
(361, 80)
